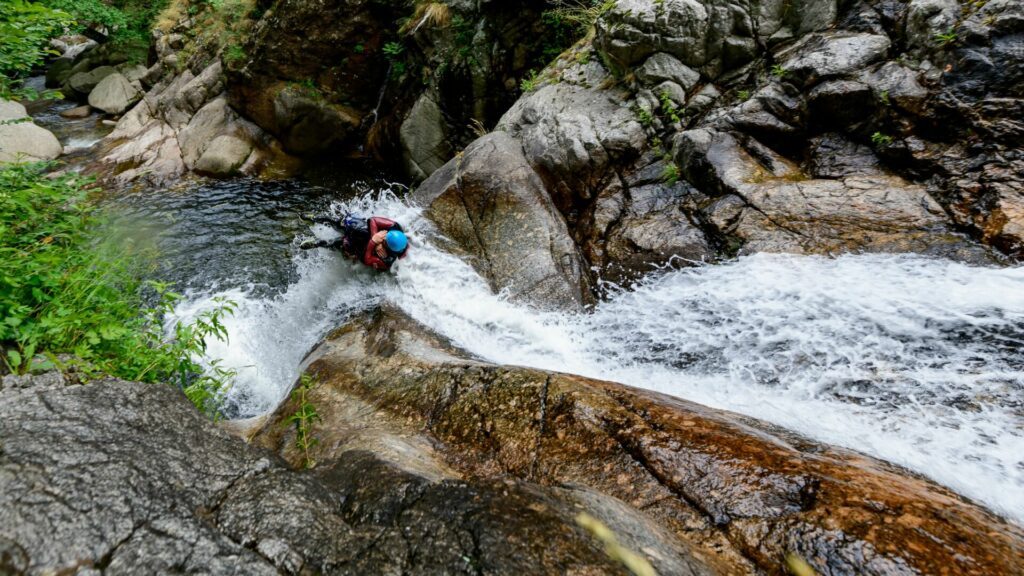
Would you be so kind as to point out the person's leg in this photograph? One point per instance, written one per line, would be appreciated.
(317, 243)
(322, 219)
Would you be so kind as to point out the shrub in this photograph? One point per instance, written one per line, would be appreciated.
(881, 140)
(670, 174)
(73, 299)
(127, 22)
(529, 82)
(25, 30)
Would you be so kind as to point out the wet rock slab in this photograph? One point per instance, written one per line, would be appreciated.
(736, 494)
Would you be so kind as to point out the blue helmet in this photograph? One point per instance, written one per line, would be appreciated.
(396, 241)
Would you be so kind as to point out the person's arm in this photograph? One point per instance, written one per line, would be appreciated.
(379, 228)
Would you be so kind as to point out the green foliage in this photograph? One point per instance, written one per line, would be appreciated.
(393, 50)
(743, 95)
(304, 417)
(234, 54)
(778, 71)
(645, 116)
(669, 108)
(72, 299)
(884, 97)
(670, 175)
(529, 82)
(127, 22)
(881, 140)
(946, 38)
(25, 30)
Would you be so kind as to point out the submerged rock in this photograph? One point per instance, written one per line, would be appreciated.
(734, 495)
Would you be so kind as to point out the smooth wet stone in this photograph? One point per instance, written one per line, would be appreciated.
(492, 204)
(26, 142)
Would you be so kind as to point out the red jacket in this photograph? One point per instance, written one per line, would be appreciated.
(370, 258)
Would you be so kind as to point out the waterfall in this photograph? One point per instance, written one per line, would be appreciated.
(913, 360)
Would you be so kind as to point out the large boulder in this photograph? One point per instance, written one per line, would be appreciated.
(128, 478)
(114, 94)
(832, 54)
(574, 133)
(705, 35)
(83, 83)
(731, 494)
(492, 204)
(425, 146)
(224, 156)
(58, 72)
(21, 140)
(11, 110)
(176, 123)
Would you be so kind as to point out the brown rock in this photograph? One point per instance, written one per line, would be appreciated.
(737, 493)
(77, 112)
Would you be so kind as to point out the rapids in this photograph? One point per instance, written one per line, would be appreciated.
(913, 360)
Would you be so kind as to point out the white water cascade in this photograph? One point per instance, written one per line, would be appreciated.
(913, 360)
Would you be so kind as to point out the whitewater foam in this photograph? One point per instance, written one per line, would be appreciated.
(913, 360)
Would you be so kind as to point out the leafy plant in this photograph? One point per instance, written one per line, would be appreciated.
(304, 418)
(393, 50)
(670, 175)
(529, 82)
(884, 97)
(946, 38)
(72, 297)
(669, 108)
(778, 71)
(743, 95)
(881, 140)
(645, 116)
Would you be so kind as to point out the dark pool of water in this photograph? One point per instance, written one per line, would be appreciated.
(215, 235)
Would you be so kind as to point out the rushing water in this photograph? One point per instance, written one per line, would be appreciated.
(914, 360)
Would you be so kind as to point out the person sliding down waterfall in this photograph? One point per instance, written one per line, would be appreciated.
(377, 242)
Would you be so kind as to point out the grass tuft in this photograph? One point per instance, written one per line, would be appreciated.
(432, 14)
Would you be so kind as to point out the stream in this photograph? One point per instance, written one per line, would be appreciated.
(913, 360)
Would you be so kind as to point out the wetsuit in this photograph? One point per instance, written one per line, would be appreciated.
(355, 241)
